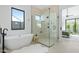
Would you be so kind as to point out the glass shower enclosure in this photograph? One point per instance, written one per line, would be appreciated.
(45, 24)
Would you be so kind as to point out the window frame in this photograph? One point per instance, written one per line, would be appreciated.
(75, 19)
(20, 28)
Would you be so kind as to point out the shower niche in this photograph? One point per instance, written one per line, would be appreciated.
(45, 24)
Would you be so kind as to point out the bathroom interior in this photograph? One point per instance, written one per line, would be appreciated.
(36, 28)
(31, 28)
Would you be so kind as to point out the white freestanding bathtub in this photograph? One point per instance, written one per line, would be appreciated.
(18, 41)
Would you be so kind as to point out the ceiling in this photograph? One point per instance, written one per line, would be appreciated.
(42, 8)
(66, 6)
(39, 9)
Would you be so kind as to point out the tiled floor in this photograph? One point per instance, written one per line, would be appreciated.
(36, 48)
(65, 45)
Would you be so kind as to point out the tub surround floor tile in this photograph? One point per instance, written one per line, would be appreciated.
(65, 46)
(35, 48)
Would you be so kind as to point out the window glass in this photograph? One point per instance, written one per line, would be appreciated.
(18, 19)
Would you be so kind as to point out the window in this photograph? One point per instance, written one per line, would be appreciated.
(17, 19)
(38, 20)
(72, 25)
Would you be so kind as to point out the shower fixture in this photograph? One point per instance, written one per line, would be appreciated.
(47, 17)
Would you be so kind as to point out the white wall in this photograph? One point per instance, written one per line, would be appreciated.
(5, 19)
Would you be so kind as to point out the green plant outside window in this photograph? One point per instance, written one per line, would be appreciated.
(72, 26)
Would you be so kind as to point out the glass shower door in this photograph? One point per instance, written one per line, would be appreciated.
(44, 34)
(53, 26)
(46, 26)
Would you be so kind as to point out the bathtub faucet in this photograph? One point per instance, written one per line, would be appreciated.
(5, 29)
(3, 41)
